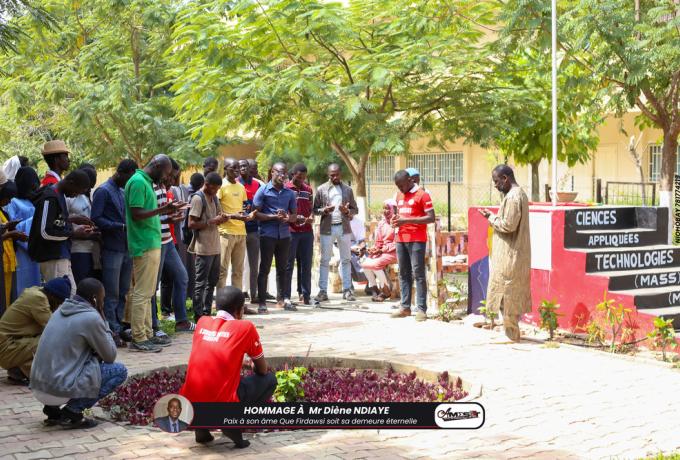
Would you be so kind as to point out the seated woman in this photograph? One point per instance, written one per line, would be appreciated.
(22, 324)
(74, 364)
(382, 254)
(214, 370)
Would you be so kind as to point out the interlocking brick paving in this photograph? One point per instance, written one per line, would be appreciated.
(540, 402)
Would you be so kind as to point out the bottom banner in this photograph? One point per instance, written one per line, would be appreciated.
(396, 415)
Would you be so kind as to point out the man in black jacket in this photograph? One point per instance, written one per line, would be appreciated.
(49, 242)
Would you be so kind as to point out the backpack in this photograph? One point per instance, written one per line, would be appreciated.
(187, 233)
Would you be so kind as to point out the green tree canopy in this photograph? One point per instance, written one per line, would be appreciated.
(312, 76)
(632, 48)
(528, 135)
(97, 80)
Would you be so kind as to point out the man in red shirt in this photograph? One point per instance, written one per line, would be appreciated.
(214, 370)
(55, 154)
(302, 238)
(415, 211)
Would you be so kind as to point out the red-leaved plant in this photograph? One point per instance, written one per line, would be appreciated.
(134, 401)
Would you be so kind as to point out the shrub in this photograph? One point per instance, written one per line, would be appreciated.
(289, 384)
(548, 312)
(663, 335)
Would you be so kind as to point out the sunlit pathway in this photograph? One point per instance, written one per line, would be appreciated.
(540, 402)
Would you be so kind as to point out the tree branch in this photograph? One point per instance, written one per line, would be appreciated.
(388, 93)
(276, 33)
(648, 113)
(335, 54)
(105, 134)
(346, 157)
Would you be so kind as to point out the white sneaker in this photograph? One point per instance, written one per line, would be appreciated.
(160, 333)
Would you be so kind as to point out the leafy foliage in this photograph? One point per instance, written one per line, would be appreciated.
(289, 384)
(95, 82)
(548, 312)
(663, 335)
(358, 79)
(609, 320)
(632, 49)
(488, 313)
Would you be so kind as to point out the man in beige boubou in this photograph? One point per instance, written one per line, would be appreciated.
(510, 264)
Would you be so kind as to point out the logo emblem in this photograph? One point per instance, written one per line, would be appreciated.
(459, 415)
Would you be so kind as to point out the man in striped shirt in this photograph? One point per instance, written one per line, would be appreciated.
(171, 261)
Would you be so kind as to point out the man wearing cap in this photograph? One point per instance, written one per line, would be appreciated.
(56, 156)
(414, 174)
(22, 324)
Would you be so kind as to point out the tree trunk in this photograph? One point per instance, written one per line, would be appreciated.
(359, 180)
(535, 182)
(668, 160)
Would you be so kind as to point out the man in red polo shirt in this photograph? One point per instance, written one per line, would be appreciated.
(214, 370)
(415, 211)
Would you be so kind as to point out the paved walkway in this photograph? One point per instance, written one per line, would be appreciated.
(541, 403)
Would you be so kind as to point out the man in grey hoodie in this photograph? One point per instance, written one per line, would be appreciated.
(74, 363)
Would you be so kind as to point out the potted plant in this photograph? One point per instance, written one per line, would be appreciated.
(565, 196)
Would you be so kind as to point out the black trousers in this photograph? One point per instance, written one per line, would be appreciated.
(253, 389)
(207, 274)
(277, 249)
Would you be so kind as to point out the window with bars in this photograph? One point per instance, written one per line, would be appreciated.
(433, 167)
(655, 162)
(439, 167)
(381, 171)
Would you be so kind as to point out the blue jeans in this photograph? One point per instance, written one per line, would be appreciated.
(411, 259)
(301, 249)
(113, 374)
(344, 244)
(116, 275)
(170, 260)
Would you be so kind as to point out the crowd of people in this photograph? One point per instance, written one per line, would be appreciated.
(82, 269)
(90, 260)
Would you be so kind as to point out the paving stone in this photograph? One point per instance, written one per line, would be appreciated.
(33, 455)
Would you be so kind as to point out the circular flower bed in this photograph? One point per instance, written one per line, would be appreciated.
(134, 401)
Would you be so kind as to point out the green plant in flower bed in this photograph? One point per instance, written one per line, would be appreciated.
(663, 335)
(289, 384)
(134, 401)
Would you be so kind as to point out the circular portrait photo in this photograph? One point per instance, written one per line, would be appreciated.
(173, 413)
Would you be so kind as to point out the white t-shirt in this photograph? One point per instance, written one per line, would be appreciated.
(335, 198)
(80, 206)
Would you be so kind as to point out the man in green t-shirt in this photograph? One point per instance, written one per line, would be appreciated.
(144, 245)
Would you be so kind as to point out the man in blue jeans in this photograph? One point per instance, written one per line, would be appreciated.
(75, 360)
(171, 261)
(108, 213)
(415, 211)
(334, 202)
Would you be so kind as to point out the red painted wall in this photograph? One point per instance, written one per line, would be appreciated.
(567, 283)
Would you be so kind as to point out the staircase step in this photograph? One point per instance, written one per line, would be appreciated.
(615, 218)
(626, 259)
(651, 278)
(668, 296)
(599, 239)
